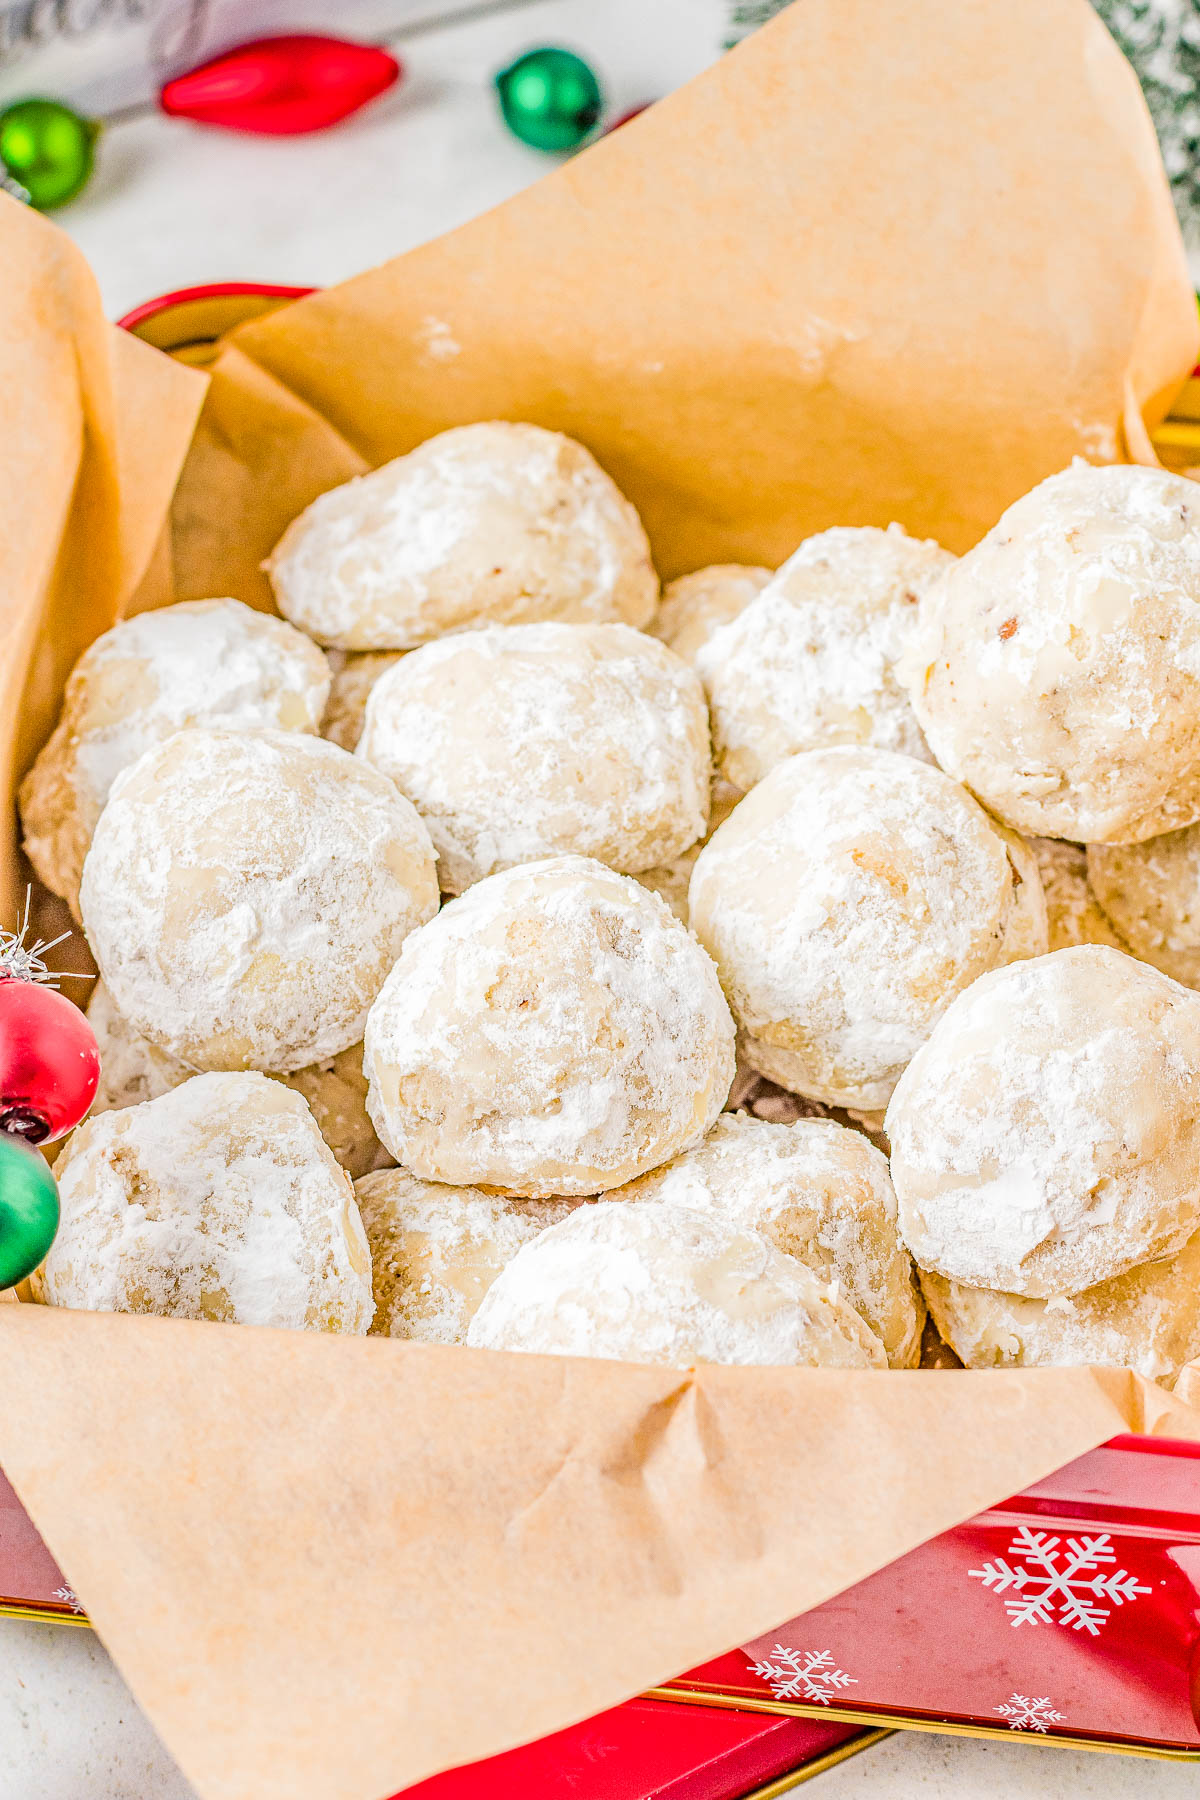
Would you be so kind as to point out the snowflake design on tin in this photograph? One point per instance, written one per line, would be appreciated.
(1077, 1580)
(69, 1597)
(803, 1675)
(1024, 1714)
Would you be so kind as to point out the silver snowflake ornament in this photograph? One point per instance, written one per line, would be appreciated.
(1024, 1714)
(803, 1675)
(1074, 1585)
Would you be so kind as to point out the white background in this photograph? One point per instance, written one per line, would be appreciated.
(172, 205)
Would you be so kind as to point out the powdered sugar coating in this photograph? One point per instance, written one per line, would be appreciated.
(1047, 1137)
(811, 661)
(218, 1200)
(203, 662)
(845, 901)
(1073, 913)
(132, 1069)
(1056, 668)
(1147, 1319)
(817, 1191)
(436, 1250)
(696, 605)
(556, 1031)
(668, 1284)
(671, 880)
(525, 741)
(245, 896)
(1150, 893)
(354, 675)
(491, 523)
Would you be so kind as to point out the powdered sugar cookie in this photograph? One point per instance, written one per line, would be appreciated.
(218, 1200)
(553, 1032)
(492, 523)
(845, 901)
(436, 1250)
(1148, 1320)
(245, 896)
(671, 880)
(696, 605)
(132, 1069)
(527, 741)
(203, 662)
(1047, 1137)
(667, 1284)
(1056, 668)
(817, 1191)
(1150, 893)
(1073, 913)
(353, 678)
(811, 661)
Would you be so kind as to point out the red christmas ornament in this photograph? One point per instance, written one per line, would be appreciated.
(49, 1063)
(282, 86)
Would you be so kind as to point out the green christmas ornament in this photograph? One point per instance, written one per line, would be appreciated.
(28, 1210)
(48, 150)
(550, 99)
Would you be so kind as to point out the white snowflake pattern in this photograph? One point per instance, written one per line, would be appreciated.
(803, 1675)
(1076, 1581)
(69, 1597)
(1024, 1714)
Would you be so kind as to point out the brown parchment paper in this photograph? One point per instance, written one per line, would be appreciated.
(880, 262)
(93, 430)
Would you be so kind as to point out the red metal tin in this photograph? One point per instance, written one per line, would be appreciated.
(650, 1750)
(1069, 1613)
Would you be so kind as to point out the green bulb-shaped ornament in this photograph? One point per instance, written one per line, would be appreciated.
(28, 1210)
(48, 150)
(550, 99)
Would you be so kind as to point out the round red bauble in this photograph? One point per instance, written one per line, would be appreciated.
(49, 1063)
(282, 86)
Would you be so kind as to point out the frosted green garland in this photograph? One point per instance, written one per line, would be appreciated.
(1161, 38)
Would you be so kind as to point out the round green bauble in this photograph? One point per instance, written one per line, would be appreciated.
(28, 1210)
(550, 99)
(48, 149)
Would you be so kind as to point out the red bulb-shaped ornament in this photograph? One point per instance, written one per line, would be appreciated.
(282, 86)
(49, 1063)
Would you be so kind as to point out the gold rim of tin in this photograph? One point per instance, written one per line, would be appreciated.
(936, 1727)
(783, 1784)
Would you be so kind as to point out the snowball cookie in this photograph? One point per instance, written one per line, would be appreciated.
(203, 662)
(556, 1031)
(1073, 914)
(486, 523)
(218, 1200)
(245, 896)
(811, 661)
(696, 605)
(1150, 892)
(817, 1191)
(845, 902)
(436, 1250)
(1056, 669)
(1148, 1320)
(132, 1069)
(671, 880)
(1047, 1137)
(353, 679)
(525, 741)
(668, 1284)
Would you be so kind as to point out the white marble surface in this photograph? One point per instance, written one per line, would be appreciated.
(172, 205)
